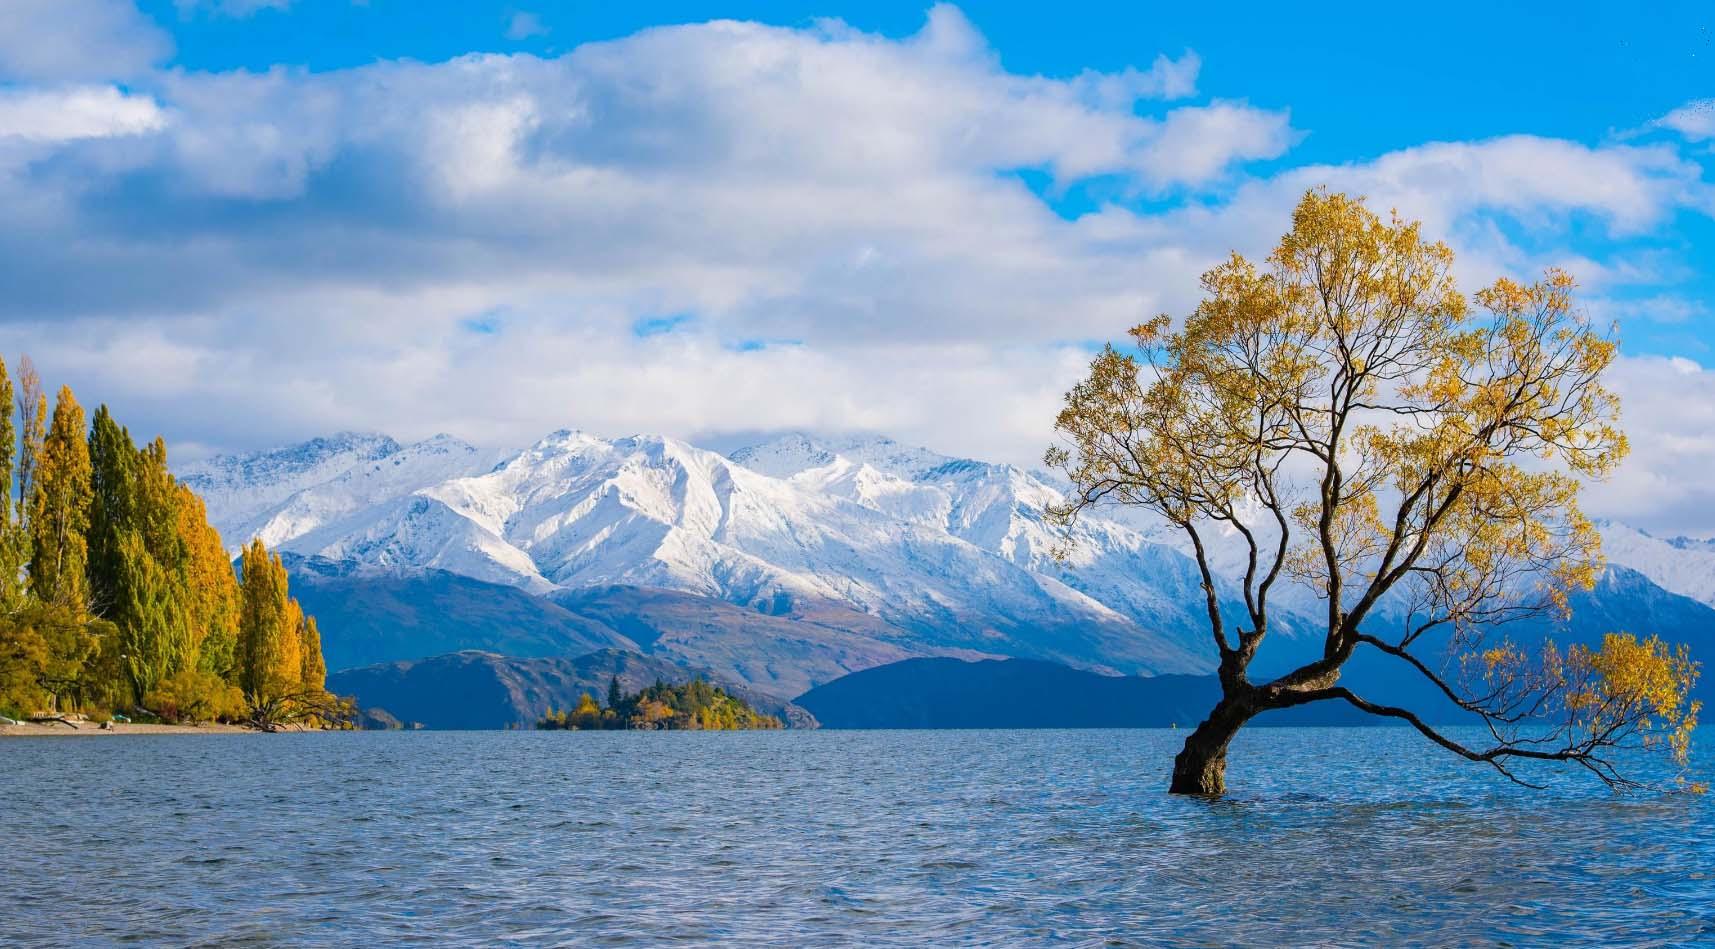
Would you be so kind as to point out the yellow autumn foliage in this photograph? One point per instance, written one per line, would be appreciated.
(1406, 452)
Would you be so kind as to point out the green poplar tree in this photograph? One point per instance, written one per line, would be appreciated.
(153, 630)
(113, 490)
(11, 542)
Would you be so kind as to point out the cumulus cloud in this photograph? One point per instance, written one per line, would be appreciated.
(49, 116)
(1195, 145)
(1669, 417)
(77, 40)
(806, 184)
(535, 374)
(1694, 120)
(825, 228)
(1165, 79)
(1538, 181)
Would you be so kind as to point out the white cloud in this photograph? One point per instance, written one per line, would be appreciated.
(807, 184)
(836, 213)
(1665, 487)
(540, 374)
(249, 135)
(1195, 145)
(1537, 179)
(1165, 79)
(1693, 120)
(77, 40)
(46, 116)
(522, 25)
(1661, 308)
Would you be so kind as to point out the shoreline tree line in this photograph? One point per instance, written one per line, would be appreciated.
(118, 596)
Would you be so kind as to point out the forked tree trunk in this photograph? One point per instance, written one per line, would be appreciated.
(1201, 767)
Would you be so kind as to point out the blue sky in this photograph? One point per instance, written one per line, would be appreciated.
(247, 221)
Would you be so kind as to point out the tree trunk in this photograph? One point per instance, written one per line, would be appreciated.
(1201, 767)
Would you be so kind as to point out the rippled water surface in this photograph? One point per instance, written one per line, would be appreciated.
(1337, 836)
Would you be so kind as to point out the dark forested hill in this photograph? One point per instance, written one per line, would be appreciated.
(476, 690)
(380, 617)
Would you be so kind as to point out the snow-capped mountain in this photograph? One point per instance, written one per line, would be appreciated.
(953, 554)
(1681, 565)
(1140, 569)
(957, 557)
(240, 488)
(285, 494)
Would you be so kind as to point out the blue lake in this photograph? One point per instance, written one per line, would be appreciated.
(1332, 836)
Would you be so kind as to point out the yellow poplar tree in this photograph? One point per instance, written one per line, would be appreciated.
(59, 521)
(213, 590)
(313, 670)
(290, 661)
(263, 630)
(279, 656)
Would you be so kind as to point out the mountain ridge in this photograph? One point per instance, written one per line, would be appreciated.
(970, 567)
(863, 550)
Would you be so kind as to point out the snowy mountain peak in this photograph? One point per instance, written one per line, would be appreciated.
(785, 455)
(1681, 565)
(788, 455)
(954, 549)
(287, 493)
(256, 470)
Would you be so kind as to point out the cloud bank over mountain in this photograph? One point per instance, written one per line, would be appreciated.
(724, 226)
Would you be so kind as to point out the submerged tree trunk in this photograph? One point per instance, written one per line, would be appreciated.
(1201, 767)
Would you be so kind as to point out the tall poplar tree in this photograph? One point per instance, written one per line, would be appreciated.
(131, 598)
(154, 639)
(113, 489)
(212, 591)
(11, 543)
(60, 519)
(312, 668)
(33, 411)
(8, 445)
(289, 663)
(263, 627)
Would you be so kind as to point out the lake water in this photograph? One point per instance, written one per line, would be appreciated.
(1332, 836)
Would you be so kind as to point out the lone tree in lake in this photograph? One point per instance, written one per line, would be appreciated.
(1346, 415)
